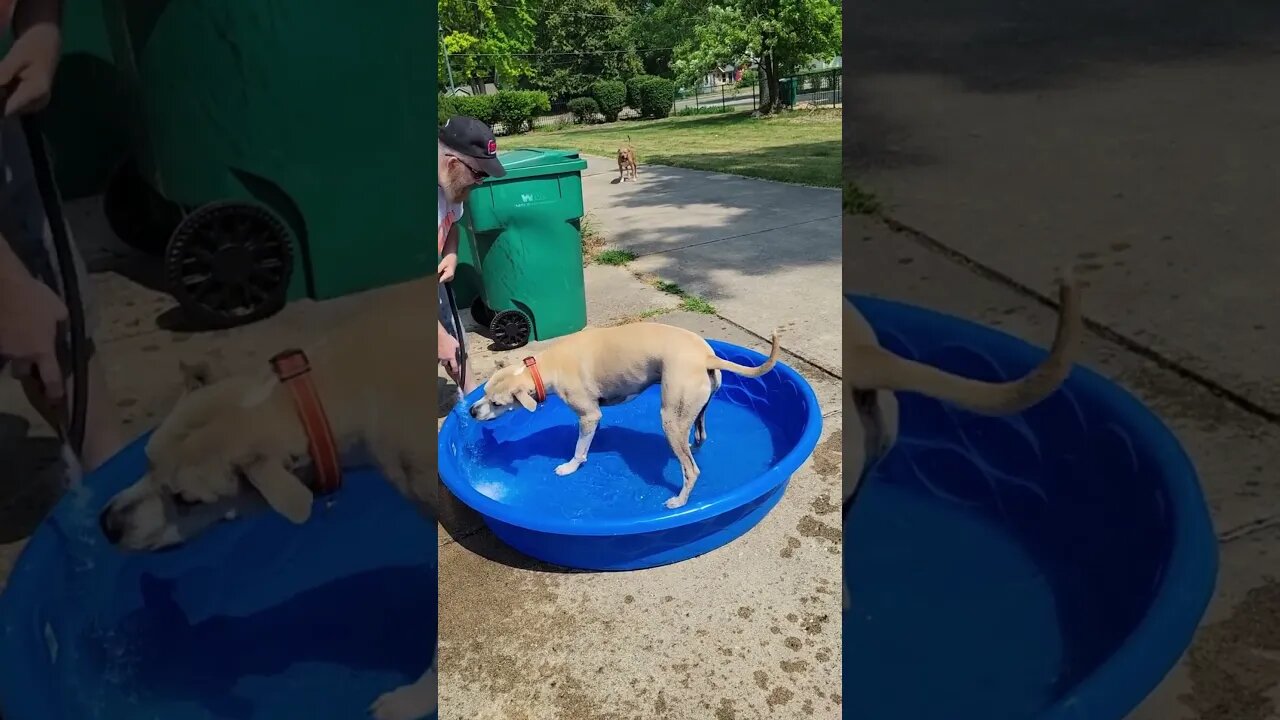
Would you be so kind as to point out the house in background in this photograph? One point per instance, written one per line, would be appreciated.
(724, 75)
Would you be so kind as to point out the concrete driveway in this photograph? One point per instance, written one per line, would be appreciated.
(1136, 142)
(766, 254)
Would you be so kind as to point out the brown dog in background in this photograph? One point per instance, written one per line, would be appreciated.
(626, 161)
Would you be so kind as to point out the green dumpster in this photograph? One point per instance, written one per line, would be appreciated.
(296, 140)
(520, 250)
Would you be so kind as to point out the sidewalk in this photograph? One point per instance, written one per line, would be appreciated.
(766, 254)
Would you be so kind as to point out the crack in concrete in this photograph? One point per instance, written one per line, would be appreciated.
(1104, 331)
(1248, 529)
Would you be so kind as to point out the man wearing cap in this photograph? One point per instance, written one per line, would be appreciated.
(468, 153)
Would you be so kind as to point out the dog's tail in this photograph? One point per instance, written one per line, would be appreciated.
(871, 367)
(715, 362)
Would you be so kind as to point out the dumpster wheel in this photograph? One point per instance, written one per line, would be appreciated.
(510, 329)
(229, 264)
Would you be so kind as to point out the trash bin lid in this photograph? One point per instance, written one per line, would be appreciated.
(533, 162)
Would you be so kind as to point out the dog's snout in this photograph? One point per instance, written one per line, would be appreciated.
(112, 529)
(474, 410)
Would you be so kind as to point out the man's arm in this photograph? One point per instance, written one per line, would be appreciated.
(451, 242)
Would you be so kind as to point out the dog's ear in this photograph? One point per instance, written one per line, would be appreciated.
(527, 401)
(282, 490)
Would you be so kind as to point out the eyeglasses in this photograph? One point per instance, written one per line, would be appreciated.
(476, 175)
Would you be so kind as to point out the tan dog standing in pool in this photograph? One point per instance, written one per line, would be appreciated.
(872, 375)
(234, 445)
(598, 367)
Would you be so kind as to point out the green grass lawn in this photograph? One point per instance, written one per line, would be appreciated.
(798, 146)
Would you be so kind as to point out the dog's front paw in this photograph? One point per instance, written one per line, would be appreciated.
(411, 702)
(568, 467)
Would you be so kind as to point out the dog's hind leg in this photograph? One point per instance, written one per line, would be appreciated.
(700, 422)
(587, 424)
(677, 421)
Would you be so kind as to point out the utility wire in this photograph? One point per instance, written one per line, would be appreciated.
(576, 53)
(546, 11)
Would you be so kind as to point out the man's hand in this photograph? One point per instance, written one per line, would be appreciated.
(448, 266)
(447, 349)
(27, 71)
(29, 315)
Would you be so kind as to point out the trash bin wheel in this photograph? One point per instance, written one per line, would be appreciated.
(229, 264)
(510, 329)
(481, 313)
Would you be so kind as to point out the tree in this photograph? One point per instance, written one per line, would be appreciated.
(779, 36)
(486, 39)
(579, 42)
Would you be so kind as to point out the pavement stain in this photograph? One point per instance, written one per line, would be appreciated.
(779, 696)
(826, 456)
(504, 651)
(809, 526)
(1234, 664)
(789, 551)
(822, 505)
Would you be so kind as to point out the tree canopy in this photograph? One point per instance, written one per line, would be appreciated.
(562, 46)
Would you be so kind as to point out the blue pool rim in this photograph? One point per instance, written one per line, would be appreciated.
(1155, 646)
(773, 478)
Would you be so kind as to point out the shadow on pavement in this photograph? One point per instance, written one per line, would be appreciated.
(1017, 46)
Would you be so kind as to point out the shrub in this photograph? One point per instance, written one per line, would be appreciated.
(610, 96)
(750, 78)
(444, 109)
(480, 107)
(584, 109)
(516, 109)
(633, 91)
(657, 96)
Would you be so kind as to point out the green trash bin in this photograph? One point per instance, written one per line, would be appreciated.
(520, 253)
(787, 90)
(296, 140)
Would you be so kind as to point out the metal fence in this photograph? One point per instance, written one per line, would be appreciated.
(726, 96)
(822, 87)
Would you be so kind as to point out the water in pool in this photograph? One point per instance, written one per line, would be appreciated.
(950, 617)
(257, 620)
(630, 470)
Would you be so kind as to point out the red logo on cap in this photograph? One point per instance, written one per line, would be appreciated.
(493, 147)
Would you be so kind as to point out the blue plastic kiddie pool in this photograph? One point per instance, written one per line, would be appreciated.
(1047, 566)
(610, 514)
(256, 620)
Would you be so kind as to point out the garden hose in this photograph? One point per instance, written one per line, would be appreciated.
(462, 341)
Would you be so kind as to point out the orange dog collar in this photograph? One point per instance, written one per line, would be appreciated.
(540, 390)
(294, 370)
